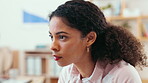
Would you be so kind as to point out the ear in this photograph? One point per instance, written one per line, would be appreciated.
(91, 38)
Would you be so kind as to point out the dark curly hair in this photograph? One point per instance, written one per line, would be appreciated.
(113, 43)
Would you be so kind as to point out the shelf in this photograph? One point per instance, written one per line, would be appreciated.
(144, 17)
(144, 38)
(38, 52)
(126, 18)
(121, 18)
(138, 20)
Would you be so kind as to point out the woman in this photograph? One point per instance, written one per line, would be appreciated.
(92, 50)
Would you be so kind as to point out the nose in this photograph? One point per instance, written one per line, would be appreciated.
(54, 46)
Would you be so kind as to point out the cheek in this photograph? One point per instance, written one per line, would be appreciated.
(67, 48)
(73, 49)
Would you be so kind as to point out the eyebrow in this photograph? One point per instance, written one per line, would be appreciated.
(60, 32)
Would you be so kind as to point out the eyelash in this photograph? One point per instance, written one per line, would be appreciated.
(61, 37)
(51, 37)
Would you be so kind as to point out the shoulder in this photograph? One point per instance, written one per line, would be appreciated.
(126, 73)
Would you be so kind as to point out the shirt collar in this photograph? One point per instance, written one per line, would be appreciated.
(97, 73)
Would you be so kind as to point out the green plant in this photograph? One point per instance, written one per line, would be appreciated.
(106, 7)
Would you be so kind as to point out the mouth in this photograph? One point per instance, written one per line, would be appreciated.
(56, 58)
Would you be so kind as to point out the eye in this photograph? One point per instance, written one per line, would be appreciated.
(51, 37)
(62, 37)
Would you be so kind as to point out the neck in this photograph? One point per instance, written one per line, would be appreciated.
(86, 67)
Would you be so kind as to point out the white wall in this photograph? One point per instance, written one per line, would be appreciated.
(17, 35)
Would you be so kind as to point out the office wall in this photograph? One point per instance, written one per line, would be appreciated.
(14, 32)
(18, 35)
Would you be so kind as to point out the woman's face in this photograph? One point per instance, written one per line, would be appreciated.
(67, 44)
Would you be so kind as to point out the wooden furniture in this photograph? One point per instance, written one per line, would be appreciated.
(45, 58)
(144, 80)
(15, 63)
(138, 21)
(32, 79)
(44, 55)
(54, 79)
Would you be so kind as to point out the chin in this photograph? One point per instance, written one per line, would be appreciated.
(62, 64)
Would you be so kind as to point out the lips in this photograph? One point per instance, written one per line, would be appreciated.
(56, 58)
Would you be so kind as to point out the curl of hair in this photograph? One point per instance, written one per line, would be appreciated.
(117, 43)
(113, 43)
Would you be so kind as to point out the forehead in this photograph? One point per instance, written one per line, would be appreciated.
(56, 24)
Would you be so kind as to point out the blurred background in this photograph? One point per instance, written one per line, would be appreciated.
(24, 42)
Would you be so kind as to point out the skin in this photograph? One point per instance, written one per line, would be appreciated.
(69, 47)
